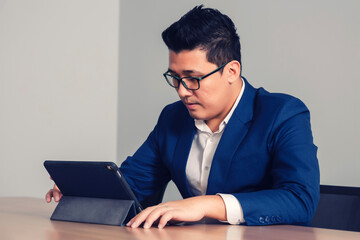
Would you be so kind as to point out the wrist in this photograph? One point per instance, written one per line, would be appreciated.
(214, 207)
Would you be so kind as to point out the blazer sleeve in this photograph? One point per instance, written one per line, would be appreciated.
(145, 171)
(294, 171)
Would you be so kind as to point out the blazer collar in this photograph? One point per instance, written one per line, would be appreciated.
(244, 110)
(232, 137)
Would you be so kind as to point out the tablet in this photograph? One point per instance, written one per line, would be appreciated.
(90, 179)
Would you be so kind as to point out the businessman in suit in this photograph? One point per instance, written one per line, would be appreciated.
(236, 153)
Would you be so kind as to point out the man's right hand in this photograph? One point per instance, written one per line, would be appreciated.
(53, 193)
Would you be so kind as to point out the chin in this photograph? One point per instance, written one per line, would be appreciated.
(197, 116)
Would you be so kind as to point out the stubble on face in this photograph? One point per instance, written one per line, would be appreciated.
(210, 102)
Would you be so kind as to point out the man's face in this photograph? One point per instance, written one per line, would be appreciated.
(214, 99)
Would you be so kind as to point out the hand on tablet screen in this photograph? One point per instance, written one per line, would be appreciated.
(53, 193)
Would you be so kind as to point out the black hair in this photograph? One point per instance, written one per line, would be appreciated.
(207, 29)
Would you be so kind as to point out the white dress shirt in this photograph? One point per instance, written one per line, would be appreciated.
(200, 159)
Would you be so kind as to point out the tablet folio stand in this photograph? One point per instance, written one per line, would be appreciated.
(94, 210)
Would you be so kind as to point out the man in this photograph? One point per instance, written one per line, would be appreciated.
(236, 153)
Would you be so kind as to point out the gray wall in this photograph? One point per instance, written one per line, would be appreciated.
(309, 49)
(74, 86)
(58, 87)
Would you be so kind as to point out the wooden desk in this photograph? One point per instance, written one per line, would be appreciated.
(28, 218)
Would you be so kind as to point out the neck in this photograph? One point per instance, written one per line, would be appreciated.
(215, 122)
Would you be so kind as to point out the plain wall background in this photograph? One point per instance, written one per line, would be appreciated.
(58, 87)
(74, 86)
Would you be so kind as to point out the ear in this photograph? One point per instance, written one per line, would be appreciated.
(233, 69)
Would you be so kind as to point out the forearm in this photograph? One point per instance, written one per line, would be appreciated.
(214, 206)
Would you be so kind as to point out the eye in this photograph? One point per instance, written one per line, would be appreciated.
(173, 75)
(192, 79)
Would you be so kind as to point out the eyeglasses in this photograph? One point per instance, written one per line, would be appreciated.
(190, 83)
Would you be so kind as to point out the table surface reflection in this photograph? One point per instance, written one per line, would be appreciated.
(28, 218)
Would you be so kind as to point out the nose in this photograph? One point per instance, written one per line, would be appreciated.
(183, 91)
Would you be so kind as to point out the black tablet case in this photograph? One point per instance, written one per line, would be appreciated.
(93, 192)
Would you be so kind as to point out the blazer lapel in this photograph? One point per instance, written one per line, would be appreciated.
(233, 135)
(181, 155)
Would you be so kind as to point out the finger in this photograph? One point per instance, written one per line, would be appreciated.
(155, 215)
(131, 222)
(56, 195)
(48, 196)
(165, 219)
(140, 218)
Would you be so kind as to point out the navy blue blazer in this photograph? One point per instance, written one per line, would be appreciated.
(266, 158)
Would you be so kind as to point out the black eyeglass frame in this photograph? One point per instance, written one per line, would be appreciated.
(196, 78)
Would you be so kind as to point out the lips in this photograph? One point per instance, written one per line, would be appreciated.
(191, 105)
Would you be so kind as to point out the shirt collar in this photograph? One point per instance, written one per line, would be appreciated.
(202, 126)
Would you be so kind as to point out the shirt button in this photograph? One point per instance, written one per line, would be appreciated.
(207, 168)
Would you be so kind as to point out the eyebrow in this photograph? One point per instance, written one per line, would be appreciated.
(186, 72)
